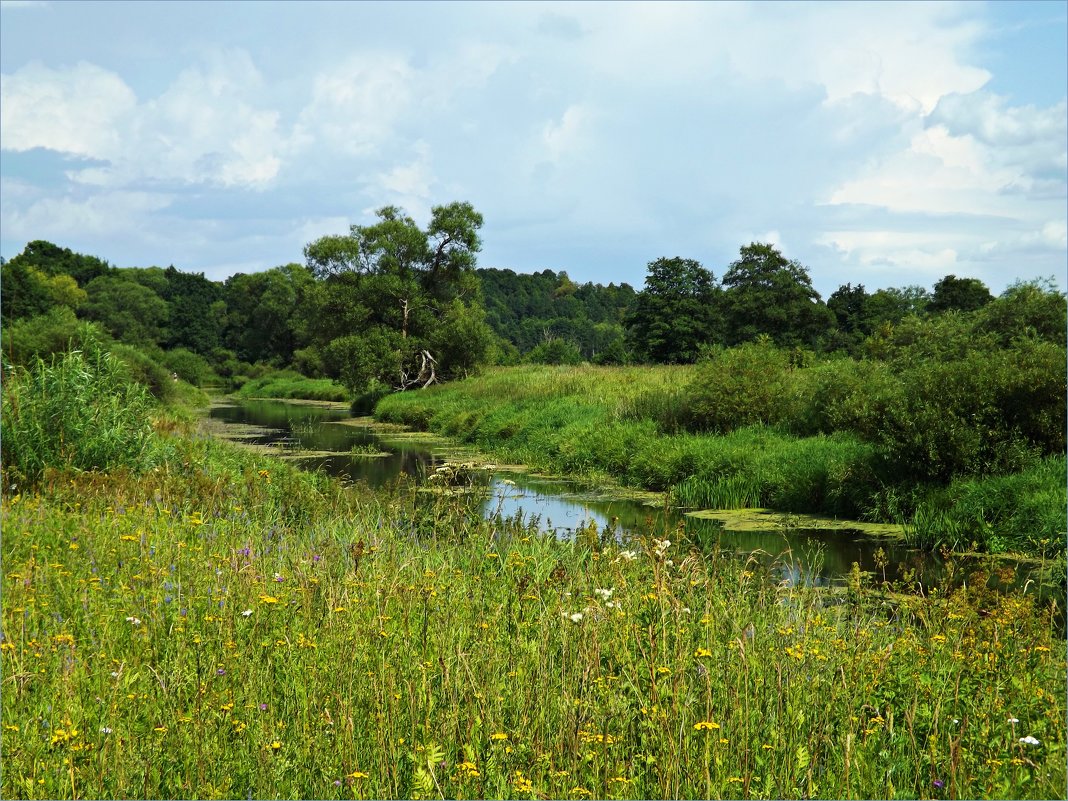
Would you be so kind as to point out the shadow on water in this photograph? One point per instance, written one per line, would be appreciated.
(359, 454)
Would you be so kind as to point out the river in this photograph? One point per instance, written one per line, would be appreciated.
(326, 437)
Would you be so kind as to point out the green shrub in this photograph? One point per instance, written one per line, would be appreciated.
(80, 411)
(55, 331)
(145, 370)
(741, 386)
(190, 367)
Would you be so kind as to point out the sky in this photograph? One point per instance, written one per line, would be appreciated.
(887, 144)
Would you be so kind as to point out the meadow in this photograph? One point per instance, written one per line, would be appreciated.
(184, 619)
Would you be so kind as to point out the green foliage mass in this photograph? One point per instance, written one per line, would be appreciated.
(752, 427)
(79, 411)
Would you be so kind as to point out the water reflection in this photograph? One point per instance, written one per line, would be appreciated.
(797, 556)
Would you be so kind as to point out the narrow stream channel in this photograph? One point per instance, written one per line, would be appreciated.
(326, 438)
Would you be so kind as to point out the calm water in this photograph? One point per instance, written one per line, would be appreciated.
(798, 555)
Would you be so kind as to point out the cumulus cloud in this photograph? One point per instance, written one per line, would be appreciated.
(80, 110)
(355, 105)
(202, 129)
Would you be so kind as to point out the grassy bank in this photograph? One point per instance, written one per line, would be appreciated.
(625, 423)
(208, 623)
(289, 384)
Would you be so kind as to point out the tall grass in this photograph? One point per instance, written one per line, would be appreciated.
(225, 627)
(78, 412)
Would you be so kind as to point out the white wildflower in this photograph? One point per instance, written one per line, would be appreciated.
(134, 621)
(576, 617)
(105, 730)
(246, 613)
(1014, 720)
(605, 594)
(1029, 740)
(627, 556)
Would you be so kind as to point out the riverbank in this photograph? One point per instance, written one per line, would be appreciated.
(604, 422)
(198, 620)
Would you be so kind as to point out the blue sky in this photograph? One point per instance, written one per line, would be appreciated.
(880, 143)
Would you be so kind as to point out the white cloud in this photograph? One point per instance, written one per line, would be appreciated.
(202, 129)
(407, 185)
(354, 106)
(80, 110)
(103, 214)
(567, 135)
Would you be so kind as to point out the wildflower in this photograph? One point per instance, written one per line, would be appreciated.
(263, 707)
(605, 594)
(246, 613)
(500, 735)
(356, 774)
(275, 745)
(1014, 720)
(576, 617)
(938, 784)
(220, 672)
(1029, 740)
(706, 725)
(626, 556)
(134, 621)
(702, 653)
(278, 577)
(268, 599)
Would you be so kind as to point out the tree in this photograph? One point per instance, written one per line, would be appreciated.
(262, 312)
(53, 260)
(196, 311)
(959, 294)
(675, 313)
(764, 293)
(127, 310)
(397, 287)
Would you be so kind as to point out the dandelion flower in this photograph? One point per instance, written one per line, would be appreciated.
(500, 735)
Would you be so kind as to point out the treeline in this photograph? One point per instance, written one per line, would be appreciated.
(393, 306)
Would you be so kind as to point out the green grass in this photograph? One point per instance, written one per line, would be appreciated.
(77, 411)
(624, 424)
(288, 384)
(237, 628)
(224, 625)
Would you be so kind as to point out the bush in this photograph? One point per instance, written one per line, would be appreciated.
(742, 386)
(190, 367)
(555, 351)
(55, 331)
(80, 411)
(145, 370)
